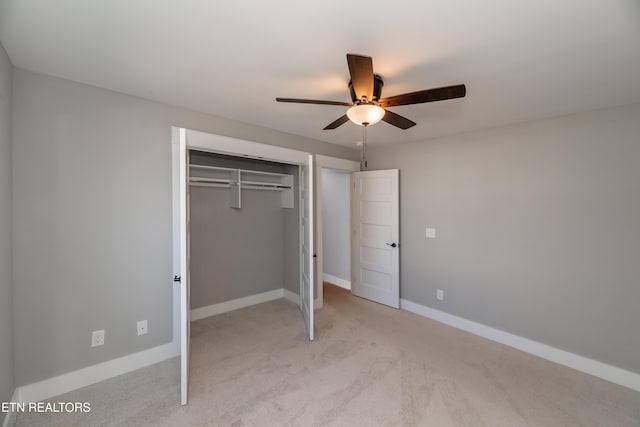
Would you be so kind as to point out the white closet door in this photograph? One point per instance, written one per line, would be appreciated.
(375, 262)
(185, 291)
(307, 258)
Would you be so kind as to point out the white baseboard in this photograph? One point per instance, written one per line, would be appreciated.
(294, 298)
(336, 281)
(223, 307)
(10, 417)
(93, 374)
(74, 380)
(592, 367)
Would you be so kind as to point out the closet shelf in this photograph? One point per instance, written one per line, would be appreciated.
(215, 168)
(234, 179)
(223, 169)
(263, 173)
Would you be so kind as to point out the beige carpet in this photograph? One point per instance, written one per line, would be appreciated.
(370, 366)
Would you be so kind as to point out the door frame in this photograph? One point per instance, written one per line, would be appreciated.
(204, 141)
(342, 165)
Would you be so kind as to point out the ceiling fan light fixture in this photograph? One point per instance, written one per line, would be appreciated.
(368, 114)
(367, 106)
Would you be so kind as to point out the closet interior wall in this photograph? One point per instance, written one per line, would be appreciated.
(237, 253)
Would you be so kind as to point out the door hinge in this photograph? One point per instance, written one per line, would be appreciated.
(177, 279)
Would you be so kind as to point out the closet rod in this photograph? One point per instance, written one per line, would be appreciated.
(202, 179)
(259, 187)
(243, 186)
(207, 184)
(266, 184)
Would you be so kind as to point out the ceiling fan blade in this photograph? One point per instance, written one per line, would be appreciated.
(428, 95)
(342, 120)
(314, 101)
(397, 120)
(361, 70)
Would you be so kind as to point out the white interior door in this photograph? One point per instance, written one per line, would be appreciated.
(183, 273)
(375, 251)
(306, 243)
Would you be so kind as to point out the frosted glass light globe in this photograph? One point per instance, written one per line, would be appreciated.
(368, 114)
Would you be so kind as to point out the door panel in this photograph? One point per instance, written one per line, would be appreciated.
(376, 256)
(307, 257)
(375, 232)
(377, 213)
(375, 262)
(376, 187)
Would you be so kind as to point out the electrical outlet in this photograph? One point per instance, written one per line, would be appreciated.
(142, 327)
(430, 233)
(97, 338)
(440, 295)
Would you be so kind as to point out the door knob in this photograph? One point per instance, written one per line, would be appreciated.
(393, 245)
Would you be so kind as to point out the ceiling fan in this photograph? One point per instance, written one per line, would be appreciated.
(367, 107)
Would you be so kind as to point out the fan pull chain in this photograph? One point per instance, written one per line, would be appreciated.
(363, 151)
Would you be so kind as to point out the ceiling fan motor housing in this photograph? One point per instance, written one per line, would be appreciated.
(377, 89)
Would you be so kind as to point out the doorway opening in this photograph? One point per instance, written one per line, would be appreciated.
(244, 232)
(236, 180)
(373, 243)
(341, 170)
(336, 220)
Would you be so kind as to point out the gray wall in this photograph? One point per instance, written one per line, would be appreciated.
(6, 306)
(240, 252)
(336, 223)
(92, 219)
(538, 229)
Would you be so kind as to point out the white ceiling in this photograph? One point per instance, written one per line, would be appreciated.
(520, 60)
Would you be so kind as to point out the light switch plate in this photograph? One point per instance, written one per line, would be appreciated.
(142, 327)
(97, 338)
(430, 233)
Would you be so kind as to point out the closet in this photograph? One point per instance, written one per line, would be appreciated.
(244, 230)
